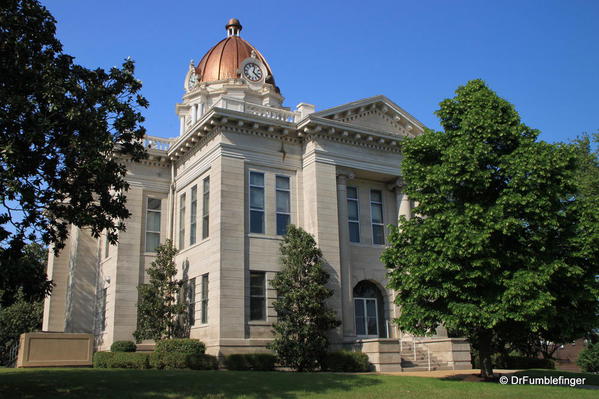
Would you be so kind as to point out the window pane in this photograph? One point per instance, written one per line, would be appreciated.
(378, 234)
(352, 192)
(352, 210)
(257, 222)
(205, 227)
(282, 183)
(372, 326)
(256, 179)
(206, 185)
(283, 201)
(375, 196)
(257, 309)
(282, 223)
(359, 304)
(354, 232)
(152, 241)
(257, 284)
(153, 203)
(377, 213)
(256, 197)
(153, 221)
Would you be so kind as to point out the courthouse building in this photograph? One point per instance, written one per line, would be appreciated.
(243, 167)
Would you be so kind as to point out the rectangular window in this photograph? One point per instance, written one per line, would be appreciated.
(206, 208)
(376, 212)
(182, 221)
(204, 299)
(193, 215)
(153, 213)
(257, 296)
(283, 204)
(191, 301)
(256, 202)
(353, 214)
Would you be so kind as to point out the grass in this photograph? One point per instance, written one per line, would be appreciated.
(179, 384)
(591, 379)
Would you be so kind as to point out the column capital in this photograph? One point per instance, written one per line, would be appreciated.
(398, 184)
(345, 174)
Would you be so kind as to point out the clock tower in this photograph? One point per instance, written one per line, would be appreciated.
(232, 75)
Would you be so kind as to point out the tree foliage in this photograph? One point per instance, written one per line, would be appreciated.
(303, 319)
(20, 317)
(158, 311)
(61, 126)
(25, 273)
(505, 246)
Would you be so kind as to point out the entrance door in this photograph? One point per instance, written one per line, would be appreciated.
(367, 325)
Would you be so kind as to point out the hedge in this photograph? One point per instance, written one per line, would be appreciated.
(123, 346)
(516, 362)
(250, 361)
(121, 360)
(180, 345)
(346, 361)
(178, 360)
(588, 359)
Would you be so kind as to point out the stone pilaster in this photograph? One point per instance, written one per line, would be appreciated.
(344, 253)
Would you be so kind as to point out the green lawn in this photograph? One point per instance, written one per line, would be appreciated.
(106, 383)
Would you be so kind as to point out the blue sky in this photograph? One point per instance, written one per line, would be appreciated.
(543, 56)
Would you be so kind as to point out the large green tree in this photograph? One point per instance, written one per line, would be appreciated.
(303, 319)
(497, 248)
(63, 130)
(159, 311)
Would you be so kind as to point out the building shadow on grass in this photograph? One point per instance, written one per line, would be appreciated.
(115, 383)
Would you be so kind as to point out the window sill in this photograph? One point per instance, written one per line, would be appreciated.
(364, 245)
(197, 244)
(258, 323)
(265, 236)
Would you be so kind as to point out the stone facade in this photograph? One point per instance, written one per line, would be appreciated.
(241, 167)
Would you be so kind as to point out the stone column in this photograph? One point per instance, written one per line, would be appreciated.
(404, 208)
(194, 113)
(181, 125)
(344, 253)
(404, 205)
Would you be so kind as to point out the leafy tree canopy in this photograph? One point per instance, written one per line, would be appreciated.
(25, 276)
(505, 246)
(303, 319)
(158, 311)
(61, 126)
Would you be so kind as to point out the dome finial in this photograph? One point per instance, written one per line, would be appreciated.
(233, 27)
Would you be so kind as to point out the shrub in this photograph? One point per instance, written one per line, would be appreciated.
(346, 361)
(262, 361)
(250, 361)
(123, 346)
(237, 362)
(588, 359)
(178, 360)
(202, 362)
(521, 362)
(121, 360)
(181, 345)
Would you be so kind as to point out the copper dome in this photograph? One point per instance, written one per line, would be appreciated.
(223, 60)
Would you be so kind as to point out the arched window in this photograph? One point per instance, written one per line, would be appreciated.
(369, 311)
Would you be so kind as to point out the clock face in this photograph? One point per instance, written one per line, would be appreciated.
(192, 80)
(252, 72)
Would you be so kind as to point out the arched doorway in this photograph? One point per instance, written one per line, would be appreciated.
(369, 311)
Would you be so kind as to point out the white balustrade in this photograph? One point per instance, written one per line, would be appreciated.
(157, 143)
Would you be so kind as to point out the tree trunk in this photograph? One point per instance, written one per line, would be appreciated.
(485, 351)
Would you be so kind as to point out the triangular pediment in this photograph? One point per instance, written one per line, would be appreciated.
(377, 113)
